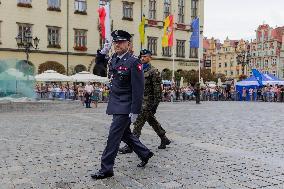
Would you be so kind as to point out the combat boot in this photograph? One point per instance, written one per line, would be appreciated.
(125, 150)
(164, 142)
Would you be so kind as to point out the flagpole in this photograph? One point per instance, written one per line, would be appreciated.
(173, 53)
(199, 41)
(200, 54)
(173, 57)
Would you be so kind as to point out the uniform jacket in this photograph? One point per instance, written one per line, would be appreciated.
(153, 90)
(126, 85)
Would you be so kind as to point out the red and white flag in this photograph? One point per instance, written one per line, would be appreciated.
(104, 16)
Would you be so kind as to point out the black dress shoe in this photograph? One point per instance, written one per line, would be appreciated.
(125, 150)
(145, 161)
(99, 175)
(164, 142)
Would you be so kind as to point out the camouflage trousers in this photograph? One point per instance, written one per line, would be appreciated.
(147, 115)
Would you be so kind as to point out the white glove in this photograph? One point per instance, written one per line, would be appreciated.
(133, 117)
(107, 47)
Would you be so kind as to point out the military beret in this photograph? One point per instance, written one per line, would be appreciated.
(145, 52)
(120, 35)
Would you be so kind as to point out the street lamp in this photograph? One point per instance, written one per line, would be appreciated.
(243, 56)
(27, 42)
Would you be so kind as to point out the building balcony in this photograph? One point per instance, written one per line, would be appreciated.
(80, 48)
(57, 9)
(25, 5)
(57, 46)
(81, 12)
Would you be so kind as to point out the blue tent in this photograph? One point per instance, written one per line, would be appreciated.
(251, 82)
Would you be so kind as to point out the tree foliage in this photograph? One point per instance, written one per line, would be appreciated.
(191, 76)
(166, 74)
(51, 65)
(26, 68)
(242, 77)
(80, 68)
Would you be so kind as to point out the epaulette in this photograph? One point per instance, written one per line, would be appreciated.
(134, 56)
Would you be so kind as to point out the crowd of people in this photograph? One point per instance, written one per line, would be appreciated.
(269, 93)
(100, 93)
(97, 93)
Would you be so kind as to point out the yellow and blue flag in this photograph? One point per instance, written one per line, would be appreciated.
(194, 39)
(142, 30)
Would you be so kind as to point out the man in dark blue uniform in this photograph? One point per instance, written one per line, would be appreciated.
(125, 103)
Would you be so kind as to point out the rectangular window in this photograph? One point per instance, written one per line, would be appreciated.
(152, 44)
(103, 2)
(180, 48)
(167, 8)
(53, 37)
(24, 30)
(24, 1)
(180, 11)
(152, 9)
(80, 40)
(53, 3)
(193, 53)
(167, 51)
(194, 9)
(127, 10)
(220, 65)
(80, 6)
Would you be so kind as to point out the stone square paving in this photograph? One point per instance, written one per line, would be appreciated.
(215, 145)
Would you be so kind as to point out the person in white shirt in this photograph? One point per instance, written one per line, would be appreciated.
(89, 89)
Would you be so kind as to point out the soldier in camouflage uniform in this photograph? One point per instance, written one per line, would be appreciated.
(151, 100)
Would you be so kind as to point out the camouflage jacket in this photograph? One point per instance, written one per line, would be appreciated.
(153, 90)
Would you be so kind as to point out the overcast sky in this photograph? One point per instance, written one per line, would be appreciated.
(240, 18)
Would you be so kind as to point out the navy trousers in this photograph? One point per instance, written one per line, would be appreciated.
(120, 131)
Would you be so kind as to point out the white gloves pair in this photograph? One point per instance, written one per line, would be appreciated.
(133, 117)
(106, 48)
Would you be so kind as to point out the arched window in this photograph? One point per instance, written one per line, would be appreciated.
(80, 68)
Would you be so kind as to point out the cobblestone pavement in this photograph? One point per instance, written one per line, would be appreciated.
(215, 145)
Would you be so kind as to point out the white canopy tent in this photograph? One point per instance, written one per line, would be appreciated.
(85, 76)
(51, 75)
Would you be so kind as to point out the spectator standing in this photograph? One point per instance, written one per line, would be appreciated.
(81, 93)
(88, 90)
